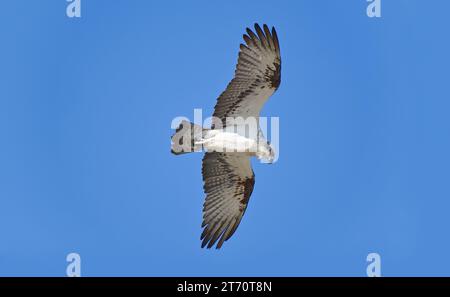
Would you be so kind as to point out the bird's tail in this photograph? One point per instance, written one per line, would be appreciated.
(185, 138)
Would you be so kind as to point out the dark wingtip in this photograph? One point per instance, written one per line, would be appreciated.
(203, 244)
(257, 27)
(274, 31)
(247, 39)
(219, 245)
(275, 39)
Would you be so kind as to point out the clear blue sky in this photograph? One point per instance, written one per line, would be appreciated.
(85, 112)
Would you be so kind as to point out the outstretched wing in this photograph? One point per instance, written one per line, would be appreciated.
(257, 76)
(228, 183)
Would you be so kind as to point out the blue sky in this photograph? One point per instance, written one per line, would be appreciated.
(85, 112)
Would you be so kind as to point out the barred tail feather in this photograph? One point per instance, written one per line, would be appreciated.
(185, 137)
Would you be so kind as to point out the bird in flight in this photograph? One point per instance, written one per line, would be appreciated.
(235, 136)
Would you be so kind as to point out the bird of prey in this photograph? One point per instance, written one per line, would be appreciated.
(227, 173)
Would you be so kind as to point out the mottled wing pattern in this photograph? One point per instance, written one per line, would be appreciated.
(257, 76)
(228, 183)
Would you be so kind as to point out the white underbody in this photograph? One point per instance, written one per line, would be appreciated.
(228, 142)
